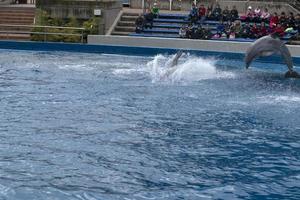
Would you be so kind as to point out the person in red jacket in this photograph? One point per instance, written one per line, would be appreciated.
(202, 13)
(254, 31)
(262, 30)
(279, 30)
(274, 20)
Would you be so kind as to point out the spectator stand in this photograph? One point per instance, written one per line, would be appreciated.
(168, 25)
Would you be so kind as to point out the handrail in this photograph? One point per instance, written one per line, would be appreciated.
(44, 31)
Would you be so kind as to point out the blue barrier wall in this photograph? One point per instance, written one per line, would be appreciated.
(125, 50)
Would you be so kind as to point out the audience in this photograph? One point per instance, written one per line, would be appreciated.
(254, 24)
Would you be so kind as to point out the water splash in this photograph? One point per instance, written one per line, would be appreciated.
(189, 69)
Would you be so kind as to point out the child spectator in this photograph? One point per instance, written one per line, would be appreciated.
(274, 20)
(202, 13)
(265, 15)
(234, 14)
(217, 13)
(226, 14)
(139, 24)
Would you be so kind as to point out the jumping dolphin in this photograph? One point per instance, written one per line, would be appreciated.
(173, 64)
(268, 45)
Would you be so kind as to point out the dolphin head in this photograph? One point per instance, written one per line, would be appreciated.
(264, 46)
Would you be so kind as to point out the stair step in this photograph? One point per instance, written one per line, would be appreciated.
(124, 29)
(131, 14)
(128, 18)
(15, 28)
(15, 36)
(120, 33)
(126, 23)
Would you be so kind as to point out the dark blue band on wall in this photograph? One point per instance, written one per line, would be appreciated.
(126, 50)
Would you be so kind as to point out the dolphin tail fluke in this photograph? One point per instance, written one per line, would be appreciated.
(176, 58)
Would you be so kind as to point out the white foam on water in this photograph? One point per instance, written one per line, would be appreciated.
(280, 99)
(189, 69)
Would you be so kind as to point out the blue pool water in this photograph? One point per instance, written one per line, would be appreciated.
(96, 126)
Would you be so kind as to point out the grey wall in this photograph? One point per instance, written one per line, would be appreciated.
(205, 45)
(83, 9)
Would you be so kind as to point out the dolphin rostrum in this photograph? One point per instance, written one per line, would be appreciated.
(268, 45)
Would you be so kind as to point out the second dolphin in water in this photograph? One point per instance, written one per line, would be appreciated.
(268, 45)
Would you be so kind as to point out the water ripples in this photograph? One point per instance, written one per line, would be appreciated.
(87, 126)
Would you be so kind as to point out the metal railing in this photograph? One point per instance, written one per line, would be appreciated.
(45, 31)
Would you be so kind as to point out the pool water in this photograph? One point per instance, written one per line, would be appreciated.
(97, 126)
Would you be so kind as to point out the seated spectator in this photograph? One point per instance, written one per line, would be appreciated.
(155, 10)
(206, 34)
(202, 13)
(209, 12)
(283, 19)
(249, 15)
(189, 30)
(226, 14)
(193, 16)
(274, 20)
(265, 15)
(139, 24)
(182, 31)
(149, 17)
(262, 29)
(254, 31)
(279, 29)
(297, 23)
(291, 20)
(235, 29)
(227, 30)
(234, 15)
(245, 31)
(257, 14)
(220, 28)
(216, 13)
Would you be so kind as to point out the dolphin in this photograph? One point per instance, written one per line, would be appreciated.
(173, 64)
(268, 45)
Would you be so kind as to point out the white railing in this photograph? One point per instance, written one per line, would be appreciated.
(44, 31)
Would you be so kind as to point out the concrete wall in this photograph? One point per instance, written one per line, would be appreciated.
(204, 45)
(83, 10)
(185, 5)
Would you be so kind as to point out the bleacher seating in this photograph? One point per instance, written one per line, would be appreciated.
(168, 26)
